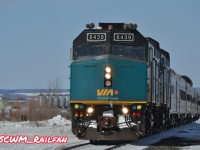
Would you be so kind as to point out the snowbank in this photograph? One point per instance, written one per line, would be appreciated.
(55, 127)
(58, 120)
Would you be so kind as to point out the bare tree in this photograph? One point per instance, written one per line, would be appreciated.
(54, 86)
(2, 114)
(33, 109)
(39, 112)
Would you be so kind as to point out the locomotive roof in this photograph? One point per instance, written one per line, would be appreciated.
(165, 53)
(109, 29)
(115, 25)
(153, 42)
(187, 79)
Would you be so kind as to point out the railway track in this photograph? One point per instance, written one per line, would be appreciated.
(143, 142)
(106, 145)
(76, 146)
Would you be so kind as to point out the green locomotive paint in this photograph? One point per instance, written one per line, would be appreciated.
(129, 80)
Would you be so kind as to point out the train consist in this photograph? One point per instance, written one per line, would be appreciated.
(122, 86)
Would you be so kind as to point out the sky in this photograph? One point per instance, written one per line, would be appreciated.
(36, 35)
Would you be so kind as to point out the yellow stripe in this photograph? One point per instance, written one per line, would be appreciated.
(99, 102)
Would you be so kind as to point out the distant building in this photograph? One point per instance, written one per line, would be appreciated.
(1, 104)
(54, 100)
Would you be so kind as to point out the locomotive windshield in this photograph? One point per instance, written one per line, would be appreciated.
(133, 52)
(93, 50)
(84, 51)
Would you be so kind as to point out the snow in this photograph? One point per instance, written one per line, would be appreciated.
(58, 120)
(122, 122)
(189, 131)
(59, 126)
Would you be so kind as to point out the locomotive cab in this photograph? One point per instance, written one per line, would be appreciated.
(108, 94)
(122, 86)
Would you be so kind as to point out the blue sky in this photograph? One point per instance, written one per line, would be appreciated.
(36, 35)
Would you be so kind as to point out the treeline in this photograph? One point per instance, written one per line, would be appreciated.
(11, 91)
(33, 112)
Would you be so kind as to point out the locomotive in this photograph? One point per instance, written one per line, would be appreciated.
(122, 86)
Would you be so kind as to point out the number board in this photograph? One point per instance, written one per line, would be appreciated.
(96, 37)
(127, 37)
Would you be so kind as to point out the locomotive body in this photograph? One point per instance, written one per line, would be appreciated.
(122, 87)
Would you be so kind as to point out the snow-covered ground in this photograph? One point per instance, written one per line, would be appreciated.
(56, 126)
(60, 127)
(190, 132)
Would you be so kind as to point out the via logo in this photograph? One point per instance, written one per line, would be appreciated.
(107, 92)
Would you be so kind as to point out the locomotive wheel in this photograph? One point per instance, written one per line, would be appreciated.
(152, 123)
(174, 124)
(163, 121)
(152, 120)
(94, 141)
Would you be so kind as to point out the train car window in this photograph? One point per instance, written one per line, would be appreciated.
(183, 95)
(193, 100)
(188, 97)
(84, 51)
(133, 52)
(172, 89)
(157, 54)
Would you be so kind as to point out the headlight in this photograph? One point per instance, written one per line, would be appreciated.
(139, 106)
(90, 110)
(134, 107)
(108, 83)
(76, 106)
(125, 110)
(107, 76)
(108, 69)
(81, 106)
